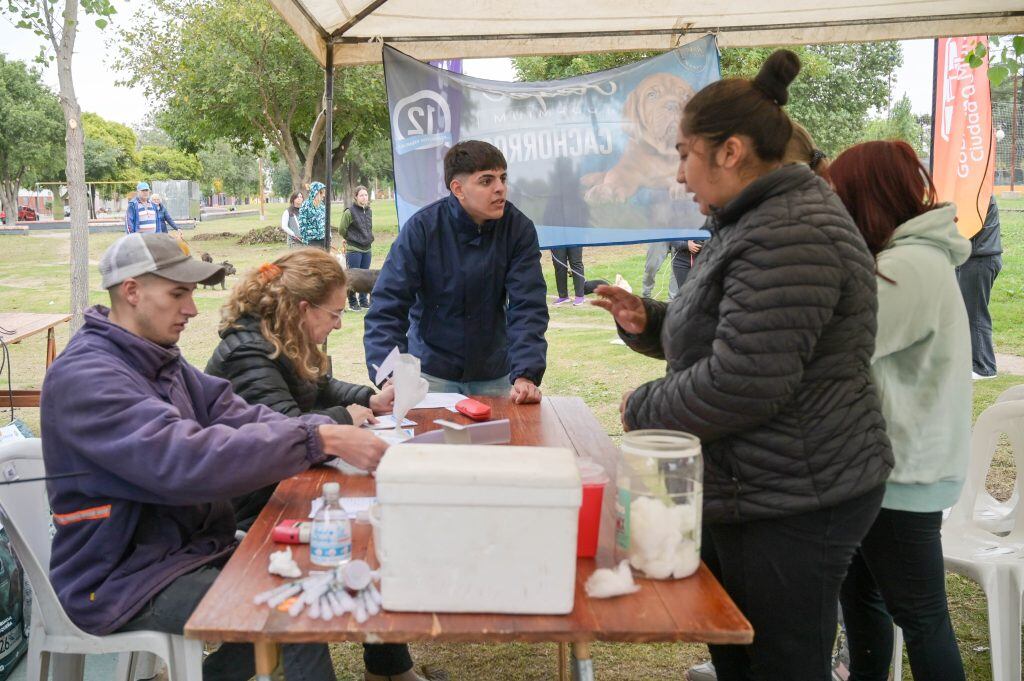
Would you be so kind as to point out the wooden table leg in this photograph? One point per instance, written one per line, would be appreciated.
(563, 660)
(51, 347)
(582, 665)
(266, 659)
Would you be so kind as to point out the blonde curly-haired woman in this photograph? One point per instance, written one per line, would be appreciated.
(272, 330)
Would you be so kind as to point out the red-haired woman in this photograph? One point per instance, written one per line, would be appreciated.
(922, 367)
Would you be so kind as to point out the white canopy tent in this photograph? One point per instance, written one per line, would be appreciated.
(508, 28)
(350, 32)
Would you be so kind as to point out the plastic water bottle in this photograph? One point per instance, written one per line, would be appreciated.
(330, 542)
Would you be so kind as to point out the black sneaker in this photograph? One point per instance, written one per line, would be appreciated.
(354, 308)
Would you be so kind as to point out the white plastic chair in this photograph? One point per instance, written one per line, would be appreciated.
(995, 563)
(25, 514)
(991, 514)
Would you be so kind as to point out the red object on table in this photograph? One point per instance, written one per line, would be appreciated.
(292, 532)
(478, 411)
(594, 480)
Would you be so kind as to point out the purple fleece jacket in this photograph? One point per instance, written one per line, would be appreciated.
(165, 447)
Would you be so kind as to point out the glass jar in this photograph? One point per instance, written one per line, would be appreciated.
(658, 507)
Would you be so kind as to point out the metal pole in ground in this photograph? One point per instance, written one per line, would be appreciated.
(328, 142)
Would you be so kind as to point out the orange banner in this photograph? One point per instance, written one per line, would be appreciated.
(963, 159)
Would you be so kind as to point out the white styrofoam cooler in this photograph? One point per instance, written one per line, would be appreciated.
(473, 528)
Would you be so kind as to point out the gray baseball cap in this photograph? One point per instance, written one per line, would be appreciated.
(136, 254)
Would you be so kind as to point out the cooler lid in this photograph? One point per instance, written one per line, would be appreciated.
(476, 467)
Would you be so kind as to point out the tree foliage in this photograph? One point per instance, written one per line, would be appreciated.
(900, 124)
(837, 87)
(158, 162)
(31, 132)
(233, 70)
(228, 170)
(1005, 57)
(109, 150)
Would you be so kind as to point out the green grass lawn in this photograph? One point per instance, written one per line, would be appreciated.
(1007, 304)
(582, 361)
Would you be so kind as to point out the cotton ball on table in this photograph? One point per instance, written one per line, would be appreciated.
(281, 563)
(605, 583)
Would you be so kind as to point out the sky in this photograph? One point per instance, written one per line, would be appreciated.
(94, 76)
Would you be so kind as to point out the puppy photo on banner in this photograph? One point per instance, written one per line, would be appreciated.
(591, 159)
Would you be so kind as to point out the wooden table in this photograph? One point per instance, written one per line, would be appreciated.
(693, 609)
(16, 327)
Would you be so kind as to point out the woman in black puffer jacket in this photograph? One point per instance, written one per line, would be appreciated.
(768, 346)
(272, 329)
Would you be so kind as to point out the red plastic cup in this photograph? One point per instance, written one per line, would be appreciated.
(594, 480)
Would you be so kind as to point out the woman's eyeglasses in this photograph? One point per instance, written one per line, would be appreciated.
(336, 315)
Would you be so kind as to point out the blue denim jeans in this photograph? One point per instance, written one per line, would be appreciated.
(496, 387)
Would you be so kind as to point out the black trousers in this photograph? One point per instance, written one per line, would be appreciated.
(172, 607)
(682, 261)
(573, 257)
(785, 574)
(976, 277)
(897, 575)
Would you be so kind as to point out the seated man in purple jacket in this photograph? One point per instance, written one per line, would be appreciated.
(164, 447)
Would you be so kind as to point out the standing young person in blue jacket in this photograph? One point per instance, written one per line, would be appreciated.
(462, 287)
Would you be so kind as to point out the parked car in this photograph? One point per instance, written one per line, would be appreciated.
(25, 214)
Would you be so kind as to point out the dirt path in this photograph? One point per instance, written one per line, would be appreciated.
(1010, 364)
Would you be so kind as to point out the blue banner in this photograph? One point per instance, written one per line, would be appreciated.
(591, 159)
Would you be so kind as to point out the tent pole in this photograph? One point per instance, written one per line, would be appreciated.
(328, 142)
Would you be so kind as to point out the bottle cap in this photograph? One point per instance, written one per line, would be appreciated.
(356, 575)
(332, 491)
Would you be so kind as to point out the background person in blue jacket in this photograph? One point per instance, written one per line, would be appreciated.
(141, 213)
(462, 287)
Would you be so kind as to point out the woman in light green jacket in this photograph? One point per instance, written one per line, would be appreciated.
(922, 369)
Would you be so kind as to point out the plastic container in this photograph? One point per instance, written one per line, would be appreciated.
(658, 506)
(594, 480)
(477, 528)
(330, 541)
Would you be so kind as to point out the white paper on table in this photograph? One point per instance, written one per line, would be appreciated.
(440, 401)
(387, 367)
(344, 466)
(387, 421)
(353, 505)
(393, 436)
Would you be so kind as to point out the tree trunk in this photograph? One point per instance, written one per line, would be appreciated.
(9, 199)
(75, 169)
(319, 165)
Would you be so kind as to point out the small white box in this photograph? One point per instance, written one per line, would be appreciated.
(473, 528)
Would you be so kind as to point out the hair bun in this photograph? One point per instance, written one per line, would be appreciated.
(777, 72)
